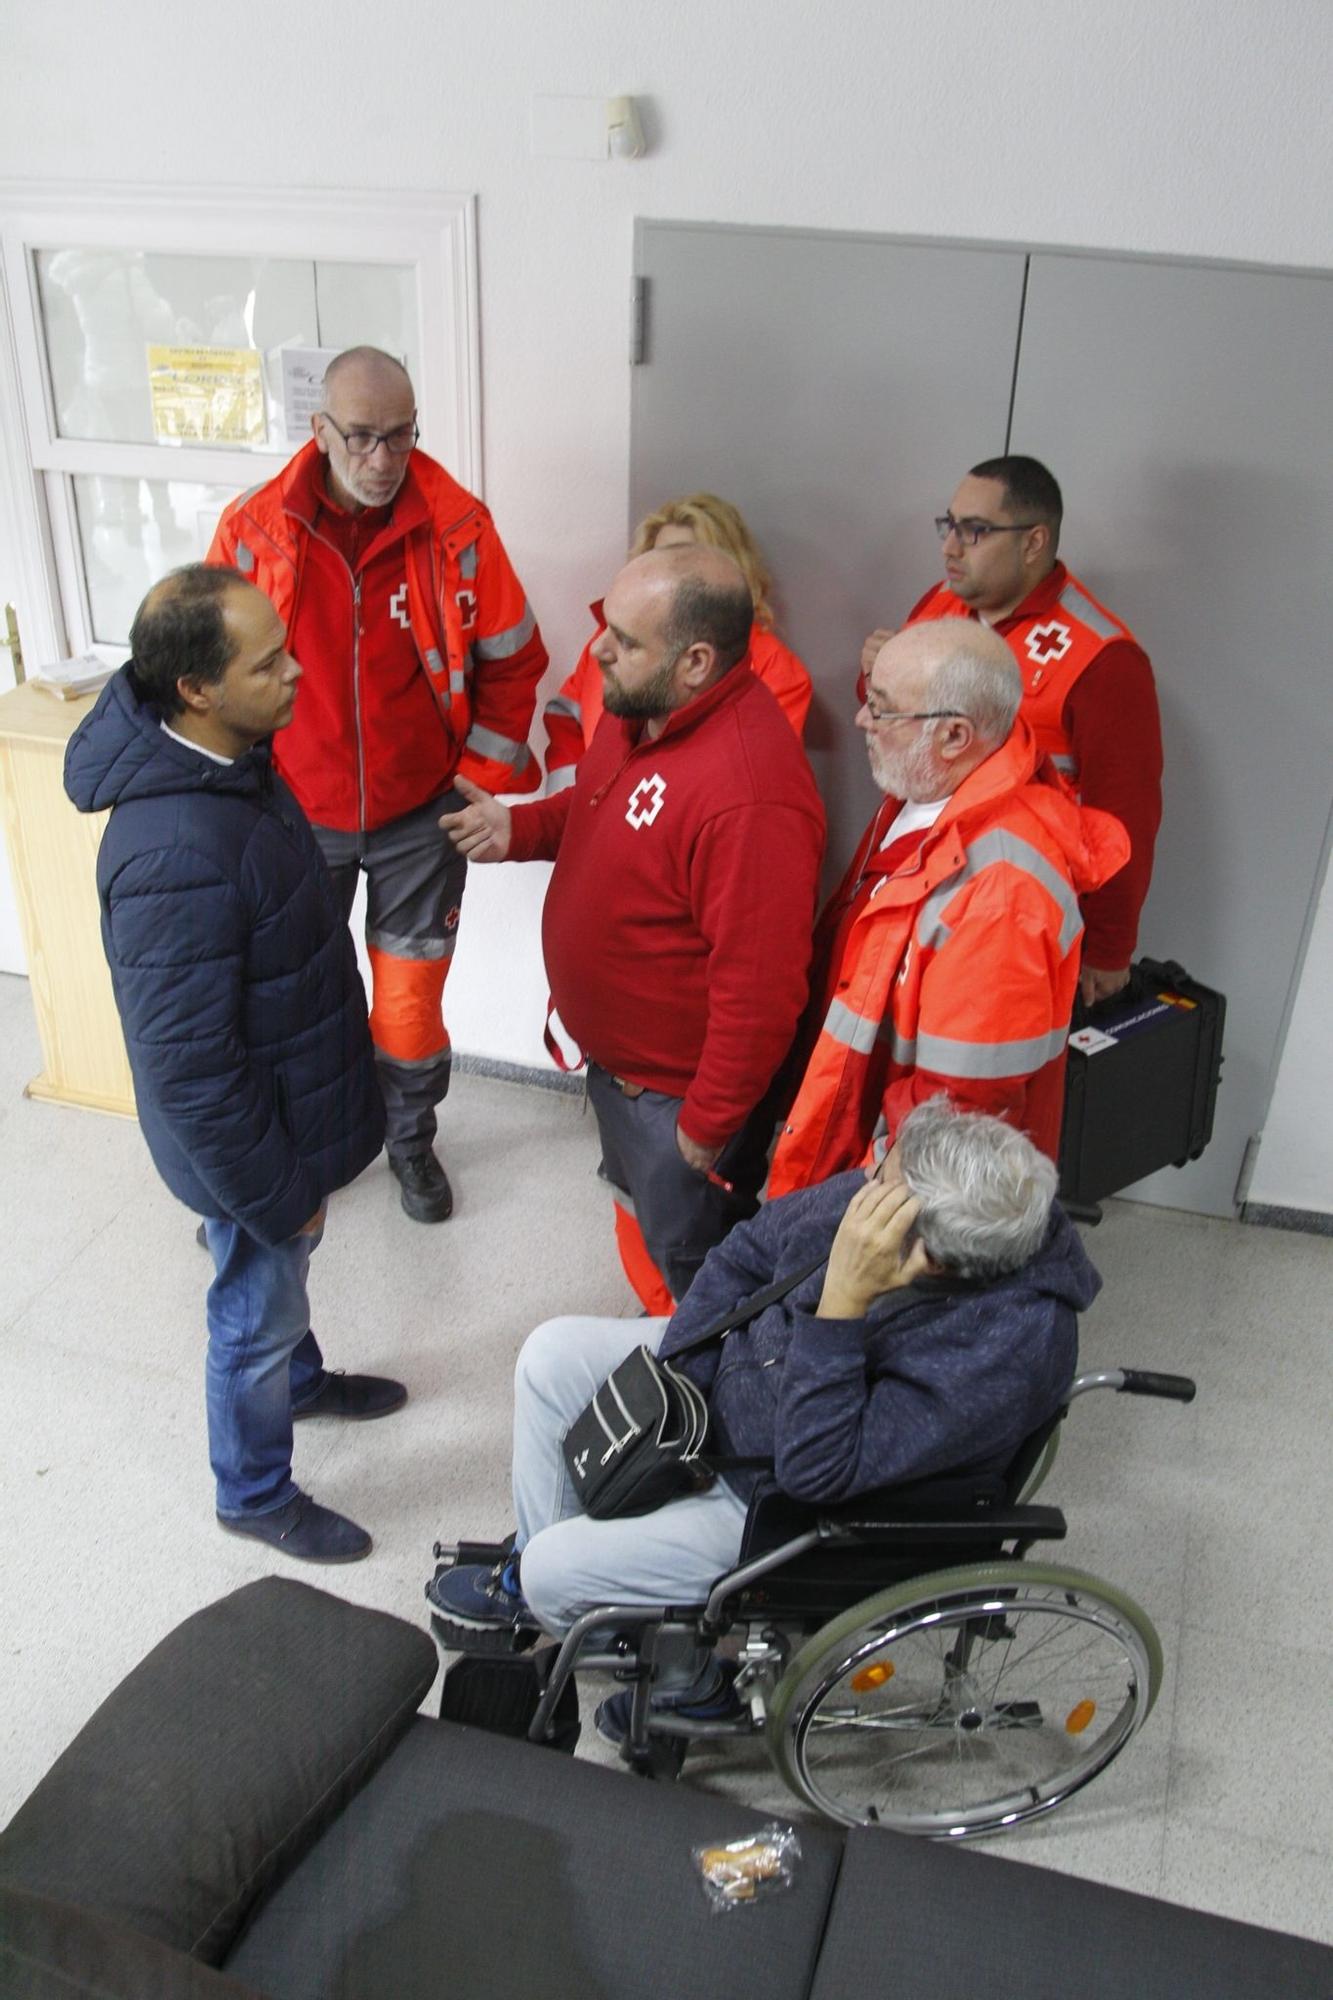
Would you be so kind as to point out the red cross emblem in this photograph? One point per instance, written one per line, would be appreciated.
(1047, 643)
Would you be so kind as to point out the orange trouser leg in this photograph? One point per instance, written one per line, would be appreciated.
(406, 1023)
(643, 1274)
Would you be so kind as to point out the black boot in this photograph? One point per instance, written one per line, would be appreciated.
(426, 1193)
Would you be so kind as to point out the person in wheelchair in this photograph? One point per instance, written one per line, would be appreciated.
(938, 1335)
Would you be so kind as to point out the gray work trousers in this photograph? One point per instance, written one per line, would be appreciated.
(414, 895)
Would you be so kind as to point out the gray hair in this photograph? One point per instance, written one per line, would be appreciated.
(985, 1190)
(978, 677)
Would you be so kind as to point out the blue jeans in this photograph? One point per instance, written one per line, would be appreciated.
(262, 1360)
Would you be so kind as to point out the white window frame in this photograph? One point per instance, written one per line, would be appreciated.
(434, 233)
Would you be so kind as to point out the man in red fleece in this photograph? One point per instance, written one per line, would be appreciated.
(678, 921)
(1088, 692)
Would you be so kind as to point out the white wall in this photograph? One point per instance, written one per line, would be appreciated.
(1183, 127)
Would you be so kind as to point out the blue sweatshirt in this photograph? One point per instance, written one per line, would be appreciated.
(944, 1376)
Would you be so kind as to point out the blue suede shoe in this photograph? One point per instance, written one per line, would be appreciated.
(356, 1398)
(480, 1608)
(303, 1529)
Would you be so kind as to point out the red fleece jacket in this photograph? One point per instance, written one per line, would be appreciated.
(678, 922)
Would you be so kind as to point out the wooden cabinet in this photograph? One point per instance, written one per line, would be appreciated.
(52, 857)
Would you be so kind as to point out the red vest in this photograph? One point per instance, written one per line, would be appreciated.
(1055, 635)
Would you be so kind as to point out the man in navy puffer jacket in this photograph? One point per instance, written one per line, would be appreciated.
(244, 1017)
(935, 1332)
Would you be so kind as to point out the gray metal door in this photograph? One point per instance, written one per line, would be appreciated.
(1185, 410)
(828, 385)
(837, 387)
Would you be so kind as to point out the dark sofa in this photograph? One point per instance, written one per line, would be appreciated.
(258, 1809)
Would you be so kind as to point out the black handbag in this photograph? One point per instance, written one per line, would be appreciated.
(640, 1441)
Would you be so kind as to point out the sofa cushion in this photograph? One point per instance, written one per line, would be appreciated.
(51, 1951)
(217, 1760)
(474, 1866)
(965, 1922)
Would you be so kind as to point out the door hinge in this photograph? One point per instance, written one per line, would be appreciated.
(638, 320)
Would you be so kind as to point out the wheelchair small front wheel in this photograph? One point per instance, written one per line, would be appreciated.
(966, 1701)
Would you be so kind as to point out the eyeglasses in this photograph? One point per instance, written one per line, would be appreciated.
(881, 715)
(970, 532)
(360, 444)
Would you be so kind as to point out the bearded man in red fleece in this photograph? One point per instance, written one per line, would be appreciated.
(677, 926)
(421, 662)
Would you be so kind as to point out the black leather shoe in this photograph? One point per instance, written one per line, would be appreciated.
(426, 1193)
(356, 1397)
(305, 1530)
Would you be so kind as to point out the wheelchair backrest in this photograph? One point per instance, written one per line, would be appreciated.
(841, 1569)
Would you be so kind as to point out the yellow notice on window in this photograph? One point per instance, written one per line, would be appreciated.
(207, 395)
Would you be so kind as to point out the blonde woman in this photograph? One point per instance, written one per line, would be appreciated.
(572, 715)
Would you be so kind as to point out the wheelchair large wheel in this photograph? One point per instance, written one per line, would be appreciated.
(966, 1701)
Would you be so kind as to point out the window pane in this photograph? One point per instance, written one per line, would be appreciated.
(103, 309)
(131, 532)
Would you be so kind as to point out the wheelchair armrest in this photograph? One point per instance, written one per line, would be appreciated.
(1000, 1524)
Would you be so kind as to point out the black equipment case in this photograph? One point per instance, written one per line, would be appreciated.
(1141, 1082)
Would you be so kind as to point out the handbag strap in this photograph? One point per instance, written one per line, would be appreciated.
(738, 1316)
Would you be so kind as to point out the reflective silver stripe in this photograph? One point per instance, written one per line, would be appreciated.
(985, 852)
(502, 749)
(457, 680)
(622, 1200)
(433, 660)
(879, 1140)
(1080, 606)
(563, 704)
(989, 1059)
(560, 779)
(855, 1030)
(443, 1056)
(414, 949)
(1069, 764)
(903, 1049)
(503, 645)
(467, 562)
(245, 558)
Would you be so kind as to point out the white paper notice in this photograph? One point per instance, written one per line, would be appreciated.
(302, 388)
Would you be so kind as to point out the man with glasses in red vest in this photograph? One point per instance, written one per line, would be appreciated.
(421, 659)
(1088, 691)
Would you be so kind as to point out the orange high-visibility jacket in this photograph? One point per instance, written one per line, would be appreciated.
(572, 715)
(958, 973)
(1089, 698)
(479, 648)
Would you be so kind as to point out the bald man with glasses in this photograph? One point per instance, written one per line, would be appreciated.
(421, 660)
(948, 960)
(1088, 691)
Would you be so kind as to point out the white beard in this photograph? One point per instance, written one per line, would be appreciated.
(911, 774)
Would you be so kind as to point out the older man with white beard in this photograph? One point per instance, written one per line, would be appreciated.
(950, 953)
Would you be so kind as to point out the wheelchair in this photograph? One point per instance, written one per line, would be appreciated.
(905, 1663)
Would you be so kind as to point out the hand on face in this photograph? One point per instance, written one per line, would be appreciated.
(869, 1255)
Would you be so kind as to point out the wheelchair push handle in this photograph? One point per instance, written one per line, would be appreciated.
(1136, 1382)
(1147, 1382)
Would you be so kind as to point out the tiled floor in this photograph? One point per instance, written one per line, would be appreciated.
(1215, 1517)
